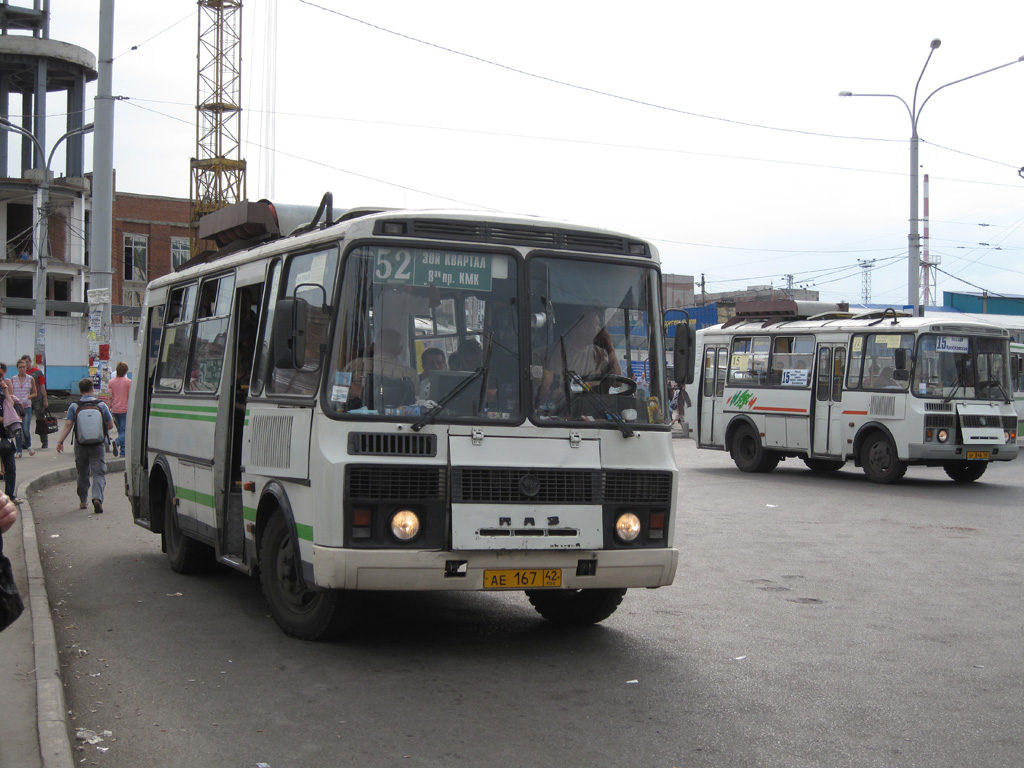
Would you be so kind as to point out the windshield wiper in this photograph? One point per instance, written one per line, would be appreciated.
(961, 381)
(454, 392)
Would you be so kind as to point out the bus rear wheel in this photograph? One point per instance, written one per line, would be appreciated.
(749, 454)
(575, 608)
(879, 460)
(185, 555)
(965, 471)
(308, 614)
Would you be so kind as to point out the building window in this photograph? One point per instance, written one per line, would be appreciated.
(179, 252)
(132, 298)
(135, 253)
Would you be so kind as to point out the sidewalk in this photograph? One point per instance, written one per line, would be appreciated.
(33, 729)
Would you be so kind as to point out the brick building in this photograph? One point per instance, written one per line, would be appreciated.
(149, 238)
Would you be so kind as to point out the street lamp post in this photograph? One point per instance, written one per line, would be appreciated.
(914, 111)
(43, 245)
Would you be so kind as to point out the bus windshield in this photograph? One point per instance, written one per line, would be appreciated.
(594, 354)
(415, 324)
(962, 366)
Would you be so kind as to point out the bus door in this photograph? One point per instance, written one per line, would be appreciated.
(711, 424)
(830, 367)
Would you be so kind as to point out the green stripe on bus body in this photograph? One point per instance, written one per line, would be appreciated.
(173, 407)
(156, 413)
(188, 494)
(304, 532)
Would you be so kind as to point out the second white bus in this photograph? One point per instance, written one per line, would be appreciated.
(883, 390)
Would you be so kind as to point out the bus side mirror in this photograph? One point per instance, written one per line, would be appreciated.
(900, 358)
(683, 352)
(289, 341)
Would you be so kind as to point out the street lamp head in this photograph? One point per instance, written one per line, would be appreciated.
(845, 93)
(936, 43)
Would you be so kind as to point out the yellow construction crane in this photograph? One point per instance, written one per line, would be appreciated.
(218, 169)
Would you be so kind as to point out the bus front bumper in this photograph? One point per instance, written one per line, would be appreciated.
(927, 452)
(417, 571)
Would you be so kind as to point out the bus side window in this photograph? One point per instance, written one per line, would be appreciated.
(838, 364)
(207, 362)
(263, 358)
(709, 371)
(853, 380)
(177, 338)
(824, 373)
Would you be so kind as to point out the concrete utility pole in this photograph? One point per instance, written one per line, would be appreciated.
(103, 163)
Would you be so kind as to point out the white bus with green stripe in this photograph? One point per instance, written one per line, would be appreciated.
(284, 423)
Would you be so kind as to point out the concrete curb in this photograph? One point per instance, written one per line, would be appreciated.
(51, 711)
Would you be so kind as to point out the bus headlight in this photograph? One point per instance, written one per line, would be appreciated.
(627, 526)
(405, 525)
(943, 435)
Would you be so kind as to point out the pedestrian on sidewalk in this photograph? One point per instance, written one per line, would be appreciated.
(119, 387)
(8, 444)
(40, 403)
(90, 449)
(24, 391)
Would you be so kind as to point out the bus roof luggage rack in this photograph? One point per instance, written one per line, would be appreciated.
(242, 225)
(781, 310)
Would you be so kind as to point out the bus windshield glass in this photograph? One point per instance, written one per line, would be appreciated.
(962, 366)
(417, 323)
(595, 354)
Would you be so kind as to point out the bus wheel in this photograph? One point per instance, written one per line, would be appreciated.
(879, 460)
(824, 465)
(966, 471)
(749, 454)
(575, 608)
(186, 555)
(308, 614)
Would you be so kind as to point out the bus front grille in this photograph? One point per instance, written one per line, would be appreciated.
(494, 485)
(385, 481)
(639, 487)
(381, 444)
(486, 485)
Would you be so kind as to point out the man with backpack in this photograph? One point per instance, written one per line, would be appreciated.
(90, 419)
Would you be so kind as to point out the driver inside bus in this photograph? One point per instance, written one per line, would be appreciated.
(586, 350)
(384, 364)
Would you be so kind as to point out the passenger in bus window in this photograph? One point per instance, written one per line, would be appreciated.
(432, 359)
(468, 357)
(384, 363)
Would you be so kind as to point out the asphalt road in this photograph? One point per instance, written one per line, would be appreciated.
(813, 622)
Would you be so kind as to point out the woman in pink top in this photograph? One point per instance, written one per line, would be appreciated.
(24, 390)
(119, 387)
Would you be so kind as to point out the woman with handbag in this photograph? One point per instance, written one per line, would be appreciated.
(8, 445)
(24, 390)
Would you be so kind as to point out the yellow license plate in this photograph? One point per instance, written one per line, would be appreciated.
(523, 578)
(977, 454)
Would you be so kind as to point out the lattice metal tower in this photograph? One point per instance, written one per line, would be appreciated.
(218, 169)
(866, 265)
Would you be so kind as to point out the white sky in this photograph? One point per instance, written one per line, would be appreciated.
(380, 119)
